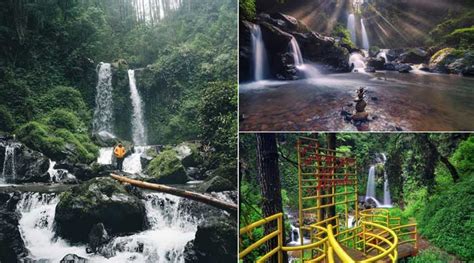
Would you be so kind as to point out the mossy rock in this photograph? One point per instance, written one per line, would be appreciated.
(217, 184)
(167, 168)
(100, 200)
(189, 154)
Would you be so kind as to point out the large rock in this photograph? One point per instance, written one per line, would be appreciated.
(167, 168)
(221, 179)
(105, 139)
(189, 154)
(413, 56)
(100, 200)
(463, 65)
(215, 241)
(26, 166)
(98, 237)
(440, 60)
(393, 54)
(377, 63)
(12, 247)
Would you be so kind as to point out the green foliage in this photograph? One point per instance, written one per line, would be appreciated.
(247, 9)
(430, 255)
(61, 118)
(463, 158)
(461, 38)
(442, 31)
(36, 136)
(447, 219)
(6, 120)
(341, 32)
(65, 98)
(167, 168)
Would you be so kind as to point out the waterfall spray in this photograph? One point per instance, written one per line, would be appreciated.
(103, 115)
(365, 38)
(295, 50)
(9, 169)
(352, 27)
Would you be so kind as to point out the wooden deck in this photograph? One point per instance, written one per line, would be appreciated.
(404, 251)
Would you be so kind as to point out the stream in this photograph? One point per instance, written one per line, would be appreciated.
(412, 101)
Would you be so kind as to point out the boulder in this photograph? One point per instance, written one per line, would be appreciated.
(147, 156)
(440, 60)
(393, 54)
(82, 172)
(463, 65)
(404, 68)
(189, 154)
(217, 184)
(167, 168)
(12, 247)
(215, 241)
(374, 51)
(414, 56)
(377, 63)
(100, 200)
(26, 165)
(390, 66)
(73, 258)
(105, 139)
(98, 237)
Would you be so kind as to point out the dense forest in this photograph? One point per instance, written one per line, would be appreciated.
(429, 176)
(78, 77)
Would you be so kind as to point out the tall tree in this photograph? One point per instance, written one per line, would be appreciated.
(269, 179)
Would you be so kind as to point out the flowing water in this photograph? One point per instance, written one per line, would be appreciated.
(365, 38)
(417, 102)
(260, 60)
(171, 228)
(370, 192)
(296, 51)
(132, 163)
(371, 184)
(103, 115)
(138, 125)
(351, 27)
(358, 60)
(308, 70)
(9, 168)
(387, 200)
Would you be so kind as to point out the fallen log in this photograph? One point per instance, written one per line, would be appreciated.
(229, 207)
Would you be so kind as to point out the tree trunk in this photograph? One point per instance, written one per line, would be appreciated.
(443, 159)
(331, 139)
(269, 180)
(229, 207)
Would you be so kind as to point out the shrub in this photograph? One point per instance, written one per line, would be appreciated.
(61, 118)
(62, 97)
(462, 38)
(464, 157)
(6, 120)
(430, 255)
(35, 135)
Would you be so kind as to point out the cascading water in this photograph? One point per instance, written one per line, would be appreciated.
(171, 228)
(295, 50)
(370, 193)
(387, 200)
(260, 60)
(295, 237)
(352, 27)
(103, 115)
(358, 61)
(105, 155)
(132, 163)
(365, 38)
(138, 126)
(9, 169)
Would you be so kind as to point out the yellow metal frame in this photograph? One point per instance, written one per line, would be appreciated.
(324, 176)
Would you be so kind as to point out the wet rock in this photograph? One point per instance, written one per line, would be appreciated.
(414, 56)
(374, 51)
(195, 173)
(404, 68)
(376, 63)
(100, 200)
(390, 66)
(147, 156)
(215, 241)
(217, 184)
(29, 165)
(463, 65)
(440, 60)
(105, 139)
(82, 172)
(370, 69)
(189, 154)
(73, 258)
(245, 51)
(393, 54)
(98, 237)
(167, 168)
(12, 247)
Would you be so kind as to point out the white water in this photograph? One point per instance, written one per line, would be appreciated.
(132, 164)
(105, 155)
(370, 193)
(295, 50)
(170, 231)
(57, 175)
(9, 169)
(138, 125)
(358, 60)
(387, 200)
(295, 237)
(383, 54)
(260, 59)
(103, 114)
(352, 27)
(350, 221)
(365, 38)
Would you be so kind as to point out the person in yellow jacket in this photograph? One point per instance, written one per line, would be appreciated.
(119, 152)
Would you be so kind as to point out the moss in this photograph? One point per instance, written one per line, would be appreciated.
(167, 168)
(247, 9)
(61, 118)
(441, 55)
(36, 136)
(62, 97)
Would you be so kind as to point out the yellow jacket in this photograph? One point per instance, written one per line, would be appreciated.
(119, 152)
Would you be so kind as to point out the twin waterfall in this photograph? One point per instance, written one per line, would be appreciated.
(9, 169)
(260, 60)
(103, 113)
(138, 125)
(370, 192)
(351, 27)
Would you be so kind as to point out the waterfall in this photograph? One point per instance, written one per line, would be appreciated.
(387, 200)
(138, 126)
(295, 237)
(365, 38)
(370, 193)
(171, 228)
(260, 60)
(132, 163)
(9, 169)
(358, 61)
(105, 155)
(103, 115)
(295, 50)
(352, 27)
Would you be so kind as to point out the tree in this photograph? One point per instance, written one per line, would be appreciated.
(269, 180)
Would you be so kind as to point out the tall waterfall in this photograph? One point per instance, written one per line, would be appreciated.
(171, 228)
(138, 126)
(9, 169)
(387, 200)
(365, 38)
(295, 50)
(260, 60)
(370, 193)
(352, 27)
(103, 115)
